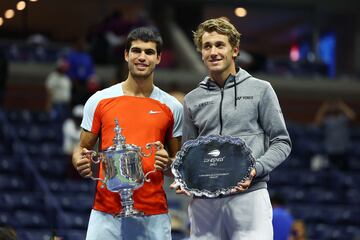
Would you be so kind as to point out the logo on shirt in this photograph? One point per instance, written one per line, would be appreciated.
(245, 97)
(203, 104)
(154, 112)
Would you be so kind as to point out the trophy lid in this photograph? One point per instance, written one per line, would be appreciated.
(119, 140)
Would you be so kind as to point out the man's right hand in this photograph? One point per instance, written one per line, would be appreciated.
(82, 156)
(82, 163)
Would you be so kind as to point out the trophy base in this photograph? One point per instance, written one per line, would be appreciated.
(130, 213)
(127, 203)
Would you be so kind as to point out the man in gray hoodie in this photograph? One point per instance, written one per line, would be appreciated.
(232, 102)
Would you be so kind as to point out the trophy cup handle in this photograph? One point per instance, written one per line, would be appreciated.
(96, 159)
(147, 174)
(150, 147)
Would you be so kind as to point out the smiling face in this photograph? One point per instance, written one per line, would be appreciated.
(218, 54)
(142, 59)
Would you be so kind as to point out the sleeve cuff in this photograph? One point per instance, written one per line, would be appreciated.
(259, 169)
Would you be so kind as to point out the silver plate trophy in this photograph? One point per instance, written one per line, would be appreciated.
(122, 167)
(211, 166)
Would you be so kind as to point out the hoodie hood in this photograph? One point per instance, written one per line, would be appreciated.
(231, 82)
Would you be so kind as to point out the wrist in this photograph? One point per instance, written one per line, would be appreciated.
(169, 164)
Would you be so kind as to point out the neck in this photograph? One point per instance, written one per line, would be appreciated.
(138, 87)
(220, 77)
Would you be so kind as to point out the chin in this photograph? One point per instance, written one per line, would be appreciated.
(216, 69)
(141, 75)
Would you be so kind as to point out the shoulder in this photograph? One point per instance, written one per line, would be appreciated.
(110, 92)
(193, 94)
(258, 86)
(257, 82)
(247, 79)
(107, 93)
(165, 98)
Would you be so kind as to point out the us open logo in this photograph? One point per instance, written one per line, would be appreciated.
(214, 159)
(214, 153)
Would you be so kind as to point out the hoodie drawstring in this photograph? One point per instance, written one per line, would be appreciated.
(235, 91)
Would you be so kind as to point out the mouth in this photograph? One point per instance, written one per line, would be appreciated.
(214, 61)
(141, 66)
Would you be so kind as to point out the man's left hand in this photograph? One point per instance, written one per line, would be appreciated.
(243, 186)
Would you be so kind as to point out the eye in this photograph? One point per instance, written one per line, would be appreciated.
(135, 50)
(220, 45)
(150, 51)
(206, 46)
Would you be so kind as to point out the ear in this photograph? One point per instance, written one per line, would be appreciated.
(158, 58)
(126, 55)
(236, 51)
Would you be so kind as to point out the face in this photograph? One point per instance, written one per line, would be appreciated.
(142, 58)
(217, 53)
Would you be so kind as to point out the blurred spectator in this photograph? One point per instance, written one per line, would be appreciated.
(108, 41)
(116, 30)
(335, 117)
(59, 85)
(7, 233)
(244, 59)
(282, 219)
(298, 230)
(71, 136)
(81, 70)
(72, 129)
(38, 44)
(4, 68)
(108, 38)
(37, 39)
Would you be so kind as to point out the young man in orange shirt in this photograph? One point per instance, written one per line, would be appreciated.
(146, 114)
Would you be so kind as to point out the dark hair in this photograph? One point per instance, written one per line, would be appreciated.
(146, 34)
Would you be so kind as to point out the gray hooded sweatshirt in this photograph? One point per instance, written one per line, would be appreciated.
(245, 107)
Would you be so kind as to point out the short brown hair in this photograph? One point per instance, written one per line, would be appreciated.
(220, 25)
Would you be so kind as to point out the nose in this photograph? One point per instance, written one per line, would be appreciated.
(142, 56)
(213, 51)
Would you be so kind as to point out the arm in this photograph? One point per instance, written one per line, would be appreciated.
(81, 158)
(277, 138)
(163, 158)
(273, 124)
(189, 130)
(324, 108)
(347, 110)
